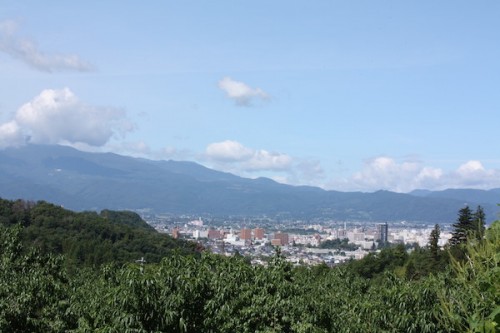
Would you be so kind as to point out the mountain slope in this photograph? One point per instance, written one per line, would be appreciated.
(465, 195)
(95, 181)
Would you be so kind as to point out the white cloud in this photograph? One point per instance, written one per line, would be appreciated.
(472, 174)
(59, 117)
(265, 160)
(301, 172)
(136, 149)
(142, 149)
(310, 171)
(389, 174)
(27, 51)
(428, 178)
(385, 173)
(228, 151)
(241, 93)
(10, 135)
(470, 168)
(232, 155)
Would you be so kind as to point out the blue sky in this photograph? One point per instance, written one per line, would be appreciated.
(346, 95)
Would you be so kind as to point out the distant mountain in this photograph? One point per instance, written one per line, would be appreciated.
(95, 181)
(467, 196)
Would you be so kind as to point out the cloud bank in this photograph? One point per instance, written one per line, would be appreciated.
(241, 93)
(59, 117)
(378, 173)
(385, 173)
(232, 155)
(27, 51)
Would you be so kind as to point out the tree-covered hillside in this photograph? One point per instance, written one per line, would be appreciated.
(211, 293)
(88, 238)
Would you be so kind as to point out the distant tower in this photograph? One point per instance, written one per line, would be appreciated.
(258, 233)
(214, 234)
(280, 238)
(382, 233)
(246, 234)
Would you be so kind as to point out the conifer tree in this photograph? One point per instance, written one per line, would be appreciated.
(462, 227)
(468, 223)
(433, 242)
(479, 218)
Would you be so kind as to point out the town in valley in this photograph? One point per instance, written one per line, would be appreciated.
(301, 242)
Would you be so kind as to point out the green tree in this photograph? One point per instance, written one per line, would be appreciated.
(434, 239)
(462, 227)
(479, 218)
(433, 243)
(33, 287)
(471, 300)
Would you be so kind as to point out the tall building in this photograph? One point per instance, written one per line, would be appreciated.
(258, 233)
(382, 233)
(280, 238)
(214, 234)
(341, 233)
(245, 234)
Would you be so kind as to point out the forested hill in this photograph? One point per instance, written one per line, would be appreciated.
(88, 238)
(428, 290)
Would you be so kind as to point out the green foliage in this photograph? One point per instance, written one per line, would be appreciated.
(33, 287)
(88, 239)
(470, 224)
(479, 218)
(127, 218)
(339, 244)
(218, 294)
(375, 264)
(472, 300)
(462, 226)
(433, 242)
(390, 291)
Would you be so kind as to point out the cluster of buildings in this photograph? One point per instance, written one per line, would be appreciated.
(243, 237)
(302, 245)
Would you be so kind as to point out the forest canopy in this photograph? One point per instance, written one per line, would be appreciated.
(88, 238)
(389, 291)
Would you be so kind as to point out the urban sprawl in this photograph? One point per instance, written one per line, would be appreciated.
(302, 243)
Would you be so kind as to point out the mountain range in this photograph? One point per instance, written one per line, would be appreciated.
(94, 181)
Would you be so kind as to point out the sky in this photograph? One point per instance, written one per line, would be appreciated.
(344, 95)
